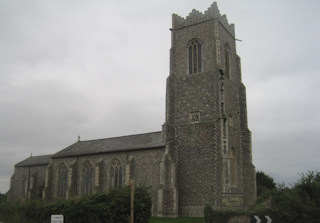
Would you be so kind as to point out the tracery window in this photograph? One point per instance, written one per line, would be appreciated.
(62, 181)
(116, 174)
(227, 60)
(194, 56)
(87, 179)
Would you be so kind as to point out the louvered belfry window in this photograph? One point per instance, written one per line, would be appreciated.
(194, 56)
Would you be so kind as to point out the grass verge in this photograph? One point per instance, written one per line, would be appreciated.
(177, 220)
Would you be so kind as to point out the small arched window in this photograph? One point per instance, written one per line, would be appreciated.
(62, 181)
(194, 47)
(227, 60)
(87, 178)
(116, 174)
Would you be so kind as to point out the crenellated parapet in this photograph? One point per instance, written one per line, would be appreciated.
(196, 17)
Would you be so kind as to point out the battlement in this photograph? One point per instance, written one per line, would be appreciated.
(196, 17)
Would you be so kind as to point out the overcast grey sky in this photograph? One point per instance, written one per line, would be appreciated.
(98, 69)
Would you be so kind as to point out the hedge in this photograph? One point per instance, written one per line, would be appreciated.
(113, 207)
(220, 216)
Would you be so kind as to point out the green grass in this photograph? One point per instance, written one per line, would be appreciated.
(152, 220)
(177, 220)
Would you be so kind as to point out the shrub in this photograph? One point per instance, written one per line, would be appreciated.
(298, 204)
(219, 216)
(208, 213)
(113, 207)
(264, 183)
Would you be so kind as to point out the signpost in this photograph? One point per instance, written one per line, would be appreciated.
(56, 218)
(131, 183)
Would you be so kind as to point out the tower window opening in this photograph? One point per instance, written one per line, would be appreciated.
(194, 56)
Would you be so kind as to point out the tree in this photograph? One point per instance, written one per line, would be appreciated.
(308, 187)
(264, 183)
(3, 197)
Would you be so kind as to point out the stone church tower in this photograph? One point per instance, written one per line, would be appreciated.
(208, 156)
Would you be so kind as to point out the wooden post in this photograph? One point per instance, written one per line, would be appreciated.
(132, 201)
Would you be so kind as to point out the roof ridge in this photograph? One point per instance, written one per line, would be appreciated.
(40, 155)
(115, 137)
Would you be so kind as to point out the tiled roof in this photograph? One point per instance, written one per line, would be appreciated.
(117, 144)
(34, 161)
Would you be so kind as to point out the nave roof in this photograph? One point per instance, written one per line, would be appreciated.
(116, 144)
(35, 161)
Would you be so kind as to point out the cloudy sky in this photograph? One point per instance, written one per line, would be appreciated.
(98, 68)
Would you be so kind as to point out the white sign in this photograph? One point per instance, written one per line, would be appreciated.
(268, 218)
(56, 218)
(258, 220)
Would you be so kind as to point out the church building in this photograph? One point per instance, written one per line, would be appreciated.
(203, 153)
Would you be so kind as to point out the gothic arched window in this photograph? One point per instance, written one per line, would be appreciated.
(116, 174)
(62, 181)
(87, 178)
(227, 59)
(194, 56)
(24, 187)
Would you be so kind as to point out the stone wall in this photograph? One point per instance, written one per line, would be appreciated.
(140, 165)
(27, 182)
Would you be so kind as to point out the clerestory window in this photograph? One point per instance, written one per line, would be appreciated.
(116, 174)
(194, 56)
